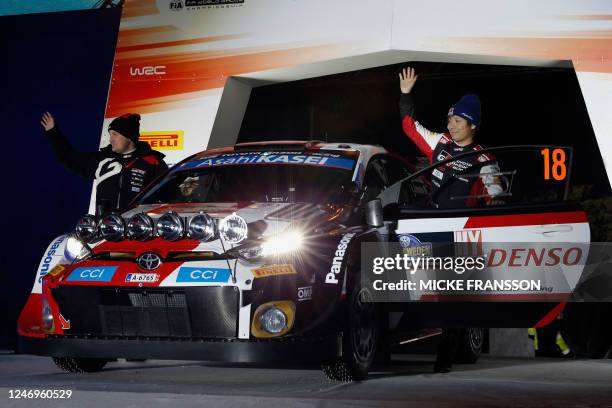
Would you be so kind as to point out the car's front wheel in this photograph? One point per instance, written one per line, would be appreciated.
(359, 339)
(79, 365)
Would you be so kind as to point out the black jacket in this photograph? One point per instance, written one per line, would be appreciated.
(118, 178)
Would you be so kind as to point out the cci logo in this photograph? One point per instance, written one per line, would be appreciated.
(203, 275)
(94, 273)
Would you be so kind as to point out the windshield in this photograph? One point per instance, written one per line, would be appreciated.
(259, 177)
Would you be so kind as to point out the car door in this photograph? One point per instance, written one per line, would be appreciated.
(529, 232)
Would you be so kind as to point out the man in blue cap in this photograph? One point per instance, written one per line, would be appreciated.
(451, 185)
(452, 188)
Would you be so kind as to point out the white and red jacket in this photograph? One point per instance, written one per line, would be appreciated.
(454, 184)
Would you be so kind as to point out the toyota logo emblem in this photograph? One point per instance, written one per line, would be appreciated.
(149, 261)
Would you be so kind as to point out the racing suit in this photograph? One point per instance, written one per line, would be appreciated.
(453, 187)
(118, 178)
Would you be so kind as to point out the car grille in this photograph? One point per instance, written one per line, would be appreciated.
(203, 312)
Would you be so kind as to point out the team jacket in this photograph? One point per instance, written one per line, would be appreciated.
(118, 178)
(453, 183)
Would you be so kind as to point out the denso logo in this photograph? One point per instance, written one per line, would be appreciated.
(187, 274)
(148, 70)
(44, 269)
(95, 273)
(338, 258)
(519, 257)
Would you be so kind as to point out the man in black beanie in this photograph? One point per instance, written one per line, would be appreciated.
(120, 170)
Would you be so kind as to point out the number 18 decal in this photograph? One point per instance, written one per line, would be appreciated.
(558, 169)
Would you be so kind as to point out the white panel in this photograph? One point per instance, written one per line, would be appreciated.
(244, 322)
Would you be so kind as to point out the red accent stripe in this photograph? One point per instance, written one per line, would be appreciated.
(151, 160)
(550, 316)
(569, 217)
(413, 134)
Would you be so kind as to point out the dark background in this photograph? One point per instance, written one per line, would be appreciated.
(520, 105)
(62, 62)
(59, 62)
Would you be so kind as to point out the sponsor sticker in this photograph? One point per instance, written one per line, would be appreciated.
(203, 275)
(164, 140)
(94, 273)
(142, 277)
(272, 158)
(273, 270)
(48, 259)
(304, 293)
(338, 258)
(437, 173)
(412, 246)
(471, 240)
(57, 269)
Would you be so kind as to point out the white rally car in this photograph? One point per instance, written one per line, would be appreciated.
(253, 254)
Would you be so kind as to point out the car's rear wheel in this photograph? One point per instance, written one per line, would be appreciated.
(469, 345)
(79, 365)
(359, 339)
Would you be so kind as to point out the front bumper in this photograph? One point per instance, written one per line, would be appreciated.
(287, 350)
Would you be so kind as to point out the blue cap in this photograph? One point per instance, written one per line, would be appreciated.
(468, 107)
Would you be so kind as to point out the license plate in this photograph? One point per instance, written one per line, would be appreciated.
(142, 277)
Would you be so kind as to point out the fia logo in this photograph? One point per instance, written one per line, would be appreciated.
(176, 5)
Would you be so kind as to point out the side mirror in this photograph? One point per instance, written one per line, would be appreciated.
(374, 213)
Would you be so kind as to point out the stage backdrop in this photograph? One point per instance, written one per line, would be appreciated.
(174, 57)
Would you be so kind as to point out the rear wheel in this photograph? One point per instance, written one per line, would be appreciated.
(79, 365)
(469, 345)
(359, 339)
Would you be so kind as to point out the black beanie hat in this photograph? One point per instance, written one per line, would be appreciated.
(128, 125)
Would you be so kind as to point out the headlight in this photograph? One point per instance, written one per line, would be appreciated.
(47, 316)
(75, 249)
(112, 228)
(201, 227)
(273, 319)
(276, 245)
(170, 227)
(86, 228)
(233, 229)
(282, 243)
(140, 227)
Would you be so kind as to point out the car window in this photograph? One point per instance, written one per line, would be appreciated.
(506, 176)
(395, 168)
(375, 179)
(258, 183)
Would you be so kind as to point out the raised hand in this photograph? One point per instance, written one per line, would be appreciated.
(407, 79)
(47, 121)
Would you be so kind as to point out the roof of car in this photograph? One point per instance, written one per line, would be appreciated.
(366, 150)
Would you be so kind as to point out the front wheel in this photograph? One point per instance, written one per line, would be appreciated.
(359, 339)
(80, 365)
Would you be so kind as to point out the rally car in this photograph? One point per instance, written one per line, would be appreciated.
(253, 253)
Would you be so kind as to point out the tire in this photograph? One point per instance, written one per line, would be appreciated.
(469, 345)
(360, 337)
(79, 365)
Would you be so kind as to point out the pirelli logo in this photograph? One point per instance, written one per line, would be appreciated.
(273, 270)
(169, 140)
